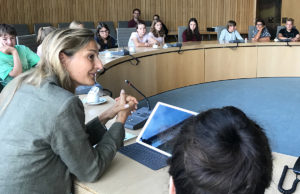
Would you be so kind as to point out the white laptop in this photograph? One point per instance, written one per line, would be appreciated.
(162, 126)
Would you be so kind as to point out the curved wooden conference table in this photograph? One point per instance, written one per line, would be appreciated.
(160, 70)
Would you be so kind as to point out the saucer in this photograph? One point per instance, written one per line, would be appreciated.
(101, 100)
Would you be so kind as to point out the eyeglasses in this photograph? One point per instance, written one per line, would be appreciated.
(259, 24)
(136, 13)
(103, 31)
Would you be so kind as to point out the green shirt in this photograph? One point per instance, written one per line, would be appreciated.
(27, 57)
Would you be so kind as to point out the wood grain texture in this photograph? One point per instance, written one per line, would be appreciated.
(230, 63)
(290, 9)
(278, 62)
(174, 13)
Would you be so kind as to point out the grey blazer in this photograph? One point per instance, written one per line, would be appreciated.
(44, 139)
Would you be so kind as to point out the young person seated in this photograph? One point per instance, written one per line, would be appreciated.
(230, 34)
(192, 31)
(139, 38)
(289, 32)
(260, 33)
(42, 33)
(136, 13)
(156, 17)
(157, 33)
(103, 37)
(44, 141)
(14, 59)
(76, 25)
(220, 151)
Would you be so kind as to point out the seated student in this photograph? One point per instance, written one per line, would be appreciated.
(260, 33)
(140, 37)
(157, 33)
(14, 59)
(76, 25)
(289, 32)
(230, 34)
(103, 38)
(42, 33)
(192, 31)
(156, 17)
(45, 143)
(136, 13)
(220, 151)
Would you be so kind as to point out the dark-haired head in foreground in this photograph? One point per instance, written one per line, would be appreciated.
(221, 151)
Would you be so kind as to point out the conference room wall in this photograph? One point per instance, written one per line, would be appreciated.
(290, 8)
(173, 12)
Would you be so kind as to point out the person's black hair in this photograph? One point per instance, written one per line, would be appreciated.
(231, 23)
(190, 33)
(260, 20)
(156, 16)
(221, 151)
(99, 39)
(7, 29)
(136, 9)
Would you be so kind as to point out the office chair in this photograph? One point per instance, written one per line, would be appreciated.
(219, 29)
(28, 40)
(22, 29)
(122, 24)
(181, 29)
(89, 25)
(64, 25)
(250, 32)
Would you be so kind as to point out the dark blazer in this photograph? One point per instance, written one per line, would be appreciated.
(44, 139)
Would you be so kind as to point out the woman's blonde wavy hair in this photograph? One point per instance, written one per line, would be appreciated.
(68, 41)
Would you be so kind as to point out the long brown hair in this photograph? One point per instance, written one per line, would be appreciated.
(157, 34)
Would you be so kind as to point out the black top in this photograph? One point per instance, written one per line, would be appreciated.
(165, 28)
(111, 43)
(287, 34)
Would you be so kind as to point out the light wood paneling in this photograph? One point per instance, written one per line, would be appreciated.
(173, 12)
(156, 74)
(230, 63)
(278, 62)
(173, 69)
(127, 71)
(290, 9)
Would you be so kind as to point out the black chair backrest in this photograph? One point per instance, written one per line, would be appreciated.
(122, 24)
(64, 25)
(89, 25)
(39, 25)
(28, 40)
(22, 29)
(1, 87)
(148, 23)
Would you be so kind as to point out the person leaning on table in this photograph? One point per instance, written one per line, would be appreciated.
(14, 59)
(43, 136)
(289, 32)
(260, 32)
(230, 33)
(220, 151)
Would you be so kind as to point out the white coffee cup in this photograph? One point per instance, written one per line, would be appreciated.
(132, 49)
(155, 46)
(108, 55)
(93, 95)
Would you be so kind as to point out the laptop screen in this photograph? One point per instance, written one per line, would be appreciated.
(162, 127)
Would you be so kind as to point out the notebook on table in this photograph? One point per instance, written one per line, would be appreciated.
(155, 142)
